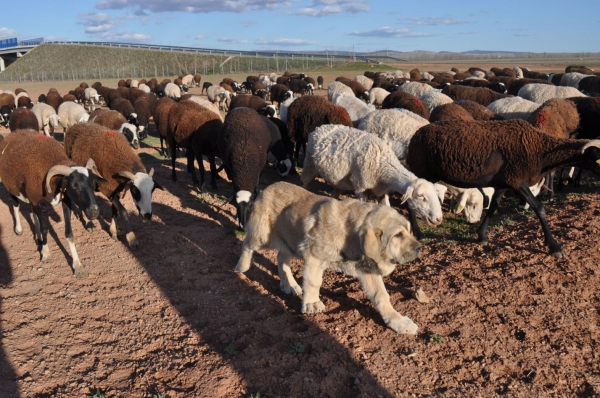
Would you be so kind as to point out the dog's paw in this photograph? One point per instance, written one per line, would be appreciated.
(403, 325)
(313, 308)
(293, 289)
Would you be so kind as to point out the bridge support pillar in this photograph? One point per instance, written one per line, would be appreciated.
(2, 66)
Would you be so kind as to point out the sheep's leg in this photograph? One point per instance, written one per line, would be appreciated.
(190, 165)
(309, 173)
(494, 204)
(335, 194)
(41, 226)
(173, 147)
(88, 224)
(538, 208)
(213, 172)
(361, 196)
(375, 289)
(577, 178)
(414, 224)
(118, 208)
(80, 271)
(312, 276)
(17, 215)
(287, 282)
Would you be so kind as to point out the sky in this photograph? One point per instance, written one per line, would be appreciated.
(308, 25)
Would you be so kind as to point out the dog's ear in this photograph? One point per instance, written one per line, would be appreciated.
(408, 194)
(371, 242)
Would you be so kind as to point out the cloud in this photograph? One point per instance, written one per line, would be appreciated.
(226, 40)
(191, 6)
(95, 22)
(200, 37)
(284, 42)
(387, 32)
(322, 8)
(7, 32)
(524, 34)
(447, 20)
(125, 37)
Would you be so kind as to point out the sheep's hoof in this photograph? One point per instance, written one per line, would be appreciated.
(90, 227)
(18, 232)
(483, 242)
(558, 254)
(81, 272)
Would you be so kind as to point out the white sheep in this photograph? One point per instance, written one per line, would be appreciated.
(415, 88)
(284, 106)
(145, 88)
(572, 79)
(394, 126)
(541, 93)
(377, 95)
(203, 102)
(350, 159)
(427, 76)
(219, 95)
(519, 72)
(434, 98)
(479, 74)
(46, 116)
(365, 81)
(134, 83)
(187, 80)
(336, 88)
(356, 108)
(91, 97)
(513, 108)
(172, 90)
(71, 113)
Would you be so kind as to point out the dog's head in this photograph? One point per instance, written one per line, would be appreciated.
(386, 239)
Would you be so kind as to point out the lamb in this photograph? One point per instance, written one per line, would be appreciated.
(23, 119)
(451, 111)
(481, 95)
(338, 88)
(351, 159)
(243, 145)
(377, 95)
(541, 93)
(433, 99)
(518, 72)
(172, 91)
(356, 108)
(114, 120)
(125, 108)
(185, 118)
(35, 169)
(400, 99)
(187, 80)
(415, 88)
(71, 113)
(219, 95)
(513, 108)
(20, 95)
(499, 154)
(197, 79)
(478, 111)
(46, 117)
(307, 113)
(394, 126)
(123, 170)
(42, 98)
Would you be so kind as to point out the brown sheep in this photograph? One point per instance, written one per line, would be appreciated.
(481, 95)
(24, 102)
(197, 79)
(34, 168)
(69, 98)
(184, 119)
(121, 167)
(478, 111)
(54, 99)
(8, 100)
(161, 120)
(23, 119)
(451, 111)
(309, 112)
(400, 99)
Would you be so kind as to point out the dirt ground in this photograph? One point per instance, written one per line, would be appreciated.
(173, 318)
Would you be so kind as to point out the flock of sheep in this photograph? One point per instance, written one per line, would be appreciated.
(471, 135)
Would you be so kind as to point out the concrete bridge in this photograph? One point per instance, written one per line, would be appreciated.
(8, 55)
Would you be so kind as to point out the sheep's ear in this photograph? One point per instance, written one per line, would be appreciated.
(92, 166)
(408, 194)
(151, 172)
(371, 242)
(591, 143)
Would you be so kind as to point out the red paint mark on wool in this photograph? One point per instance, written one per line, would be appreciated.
(42, 137)
(111, 133)
(541, 118)
(597, 100)
(417, 102)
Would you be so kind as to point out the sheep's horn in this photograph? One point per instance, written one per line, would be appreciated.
(126, 174)
(591, 143)
(92, 166)
(59, 169)
(151, 172)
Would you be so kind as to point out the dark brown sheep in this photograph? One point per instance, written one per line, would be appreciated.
(481, 95)
(478, 111)
(400, 99)
(197, 79)
(23, 119)
(54, 99)
(8, 100)
(161, 120)
(451, 111)
(498, 154)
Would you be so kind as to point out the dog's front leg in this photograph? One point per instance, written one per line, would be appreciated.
(375, 289)
(312, 276)
(287, 282)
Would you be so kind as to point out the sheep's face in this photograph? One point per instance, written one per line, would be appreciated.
(287, 95)
(284, 167)
(129, 131)
(184, 88)
(5, 112)
(422, 198)
(243, 201)
(79, 187)
(54, 121)
(141, 189)
(133, 119)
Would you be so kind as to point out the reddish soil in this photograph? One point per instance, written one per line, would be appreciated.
(173, 318)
